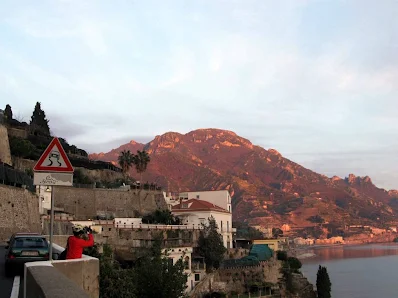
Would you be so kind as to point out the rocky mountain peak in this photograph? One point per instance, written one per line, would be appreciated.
(352, 179)
(266, 186)
(274, 152)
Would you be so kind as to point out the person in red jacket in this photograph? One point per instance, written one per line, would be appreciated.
(77, 243)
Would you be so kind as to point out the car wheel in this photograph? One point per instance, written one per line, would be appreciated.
(7, 270)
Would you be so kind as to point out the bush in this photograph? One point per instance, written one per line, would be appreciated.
(80, 178)
(161, 217)
(243, 230)
(316, 219)
(21, 147)
(281, 255)
(294, 263)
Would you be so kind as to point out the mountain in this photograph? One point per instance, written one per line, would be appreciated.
(113, 155)
(266, 187)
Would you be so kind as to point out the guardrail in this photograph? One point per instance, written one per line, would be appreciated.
(76, 278)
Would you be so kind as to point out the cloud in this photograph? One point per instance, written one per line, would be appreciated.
(299, 76)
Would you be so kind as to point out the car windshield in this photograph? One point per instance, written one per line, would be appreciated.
(30, 242)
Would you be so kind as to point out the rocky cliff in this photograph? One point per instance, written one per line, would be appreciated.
(266, 187)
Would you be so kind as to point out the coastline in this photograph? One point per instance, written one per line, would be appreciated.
(306, 252)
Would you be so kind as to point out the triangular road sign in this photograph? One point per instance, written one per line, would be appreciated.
(54, 159)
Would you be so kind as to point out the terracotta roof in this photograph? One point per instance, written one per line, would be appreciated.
(197, 205)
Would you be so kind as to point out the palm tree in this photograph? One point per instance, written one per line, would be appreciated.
(126, 160)
(141, 160)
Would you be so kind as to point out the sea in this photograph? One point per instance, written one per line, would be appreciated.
(362, 271)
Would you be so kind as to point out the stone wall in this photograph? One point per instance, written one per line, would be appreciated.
(129, 244)
(23, 164)
(18, 132)
(88, 203)
(19, 211)
(5, 154)
(97, 175)
(235, 279)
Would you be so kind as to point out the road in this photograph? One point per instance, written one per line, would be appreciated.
(6, 283)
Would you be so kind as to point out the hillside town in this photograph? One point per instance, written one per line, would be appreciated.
(196, 229)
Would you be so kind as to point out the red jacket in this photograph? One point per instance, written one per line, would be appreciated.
(76, 246)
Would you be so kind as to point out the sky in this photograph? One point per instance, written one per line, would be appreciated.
(317, 80)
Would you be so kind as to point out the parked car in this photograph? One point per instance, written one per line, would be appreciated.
(23, 248)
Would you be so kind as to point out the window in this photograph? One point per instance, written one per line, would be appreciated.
(227, 226)
(170, 262)
(229, 208)
(184, 206)
(197, 197)
(197, 277)
(186, 263)
(30, 242)
(221, 227)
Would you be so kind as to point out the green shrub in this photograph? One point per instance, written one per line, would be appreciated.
(294, 263)
(281, 255)
(21, 147)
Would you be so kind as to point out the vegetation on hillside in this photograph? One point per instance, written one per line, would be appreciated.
(8, 114)
(140, 160)
(290, 265)
(316, 219)
(323, 284)
(210, 245)
(243, 230)
(39, 122)
(126, 160)
(153, 275)
(161, 217)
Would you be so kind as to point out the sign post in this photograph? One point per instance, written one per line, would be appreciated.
(53, 169)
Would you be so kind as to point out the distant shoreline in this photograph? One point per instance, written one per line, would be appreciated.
(300, 252)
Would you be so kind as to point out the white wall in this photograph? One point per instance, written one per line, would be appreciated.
(220, 198)
(170, 201)
(223, 220)
(84, 223)
(44, 198)
(127, 221)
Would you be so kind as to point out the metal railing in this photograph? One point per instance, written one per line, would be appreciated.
(13, 177)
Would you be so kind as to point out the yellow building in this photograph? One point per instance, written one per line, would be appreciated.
(274, 244)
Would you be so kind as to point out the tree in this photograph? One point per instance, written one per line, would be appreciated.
(294, 264)
(126, 160)
(210, 245)
(243, 230)
(115, 282)
(161, 217)
(141, 161)
(156, 275)
(276, 232)
(153, 275)
(21, 147)
(323, 284)
(8, 114)
(38, 122)
(281, 255)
